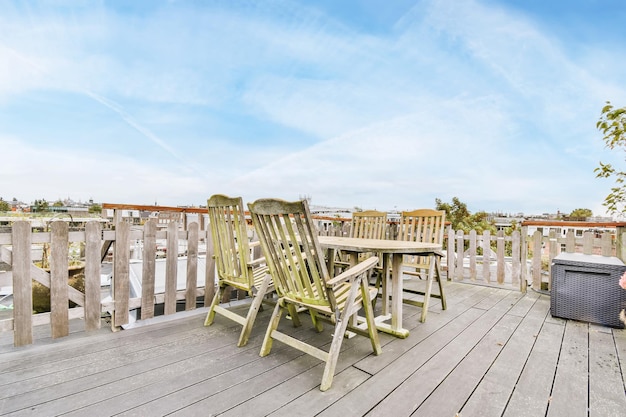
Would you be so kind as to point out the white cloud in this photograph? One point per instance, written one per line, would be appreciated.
(31, 173)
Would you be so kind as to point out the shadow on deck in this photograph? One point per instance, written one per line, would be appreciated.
(494, 352)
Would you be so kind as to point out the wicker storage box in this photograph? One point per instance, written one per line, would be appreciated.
(586, 288)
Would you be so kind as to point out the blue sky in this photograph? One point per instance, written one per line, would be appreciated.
(376, 104)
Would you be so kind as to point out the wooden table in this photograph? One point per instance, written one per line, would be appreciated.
(393, 249)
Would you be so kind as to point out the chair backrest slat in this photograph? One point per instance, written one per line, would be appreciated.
(310, 244)
(291, 248)
(370, 224)
(422, 225)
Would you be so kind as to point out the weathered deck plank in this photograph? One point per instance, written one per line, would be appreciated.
(384, 382)
(494, 352)
(620, 345)
(569, 396)
(494, 391)
(409, 396)
(225, 390)
(606, 388)
(74, 386)
(533, 389)
(471, 369)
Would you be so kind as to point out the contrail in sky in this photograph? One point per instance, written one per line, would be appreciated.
(132, 123)
(117, 109)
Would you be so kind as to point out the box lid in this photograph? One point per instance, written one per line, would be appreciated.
(596, 259)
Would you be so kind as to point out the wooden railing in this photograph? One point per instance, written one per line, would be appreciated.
(520, 260)
(512, 261)
(16, 250)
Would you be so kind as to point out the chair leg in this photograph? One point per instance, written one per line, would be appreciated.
(378, 285)
(293, 313)
(252, 312)
(333, 353)
(216, 300)
(369, 318)
(273, 325)
(340, 329)
(319, 327)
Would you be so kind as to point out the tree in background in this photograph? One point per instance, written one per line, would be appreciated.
(95, 208)
(612, 124)
(40, 205)
(4, 206)
(460, 217)
(58, 203)
(581, 213)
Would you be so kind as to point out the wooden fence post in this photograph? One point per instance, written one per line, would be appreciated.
(148, 269)
(537, 238)
(59, 275)
(487, 256)
(192, 267)
(516, 263)
(524, 259)
(93, 243)
(472, 254)
(620, 242)
(588, 243)
(570, 242)
(500, 255)
(22, 284)
(171, 268)
(554, 251)
(451, 253)
(459, 255)
(121, 274)
(606, 244)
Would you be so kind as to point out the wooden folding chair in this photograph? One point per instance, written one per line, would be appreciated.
(296, 262)
(234, 261)
(423, 225)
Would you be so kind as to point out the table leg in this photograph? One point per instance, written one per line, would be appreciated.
(385, 283)
(330, 260)
(353, 259)
(395, 327)
(396, 292)
(429, 287)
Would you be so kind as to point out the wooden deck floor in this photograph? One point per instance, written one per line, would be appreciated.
(494, 352)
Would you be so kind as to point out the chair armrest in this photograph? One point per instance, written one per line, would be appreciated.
(356, 270)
